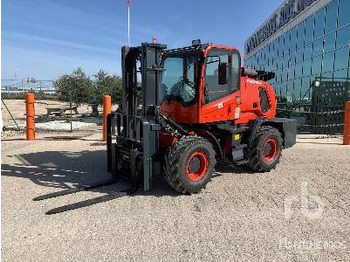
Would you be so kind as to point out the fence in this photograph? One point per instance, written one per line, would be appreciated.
(50, 114)
(324, 112)
(12, 87)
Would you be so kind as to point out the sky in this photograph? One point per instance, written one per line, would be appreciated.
(48, 38)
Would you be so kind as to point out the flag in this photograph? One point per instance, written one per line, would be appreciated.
(128, 3)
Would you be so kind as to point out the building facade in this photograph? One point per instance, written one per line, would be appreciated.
(306, 43)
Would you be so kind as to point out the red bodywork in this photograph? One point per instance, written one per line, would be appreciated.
(241, 106)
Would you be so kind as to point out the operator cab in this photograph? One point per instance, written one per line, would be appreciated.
(199, 83)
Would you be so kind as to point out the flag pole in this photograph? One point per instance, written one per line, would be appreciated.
(128, 4)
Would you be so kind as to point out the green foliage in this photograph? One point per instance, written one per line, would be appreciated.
(80, 89)
(76, 87)
(107, 85)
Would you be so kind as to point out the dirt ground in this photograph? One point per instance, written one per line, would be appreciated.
(17, 110)
(240, 216)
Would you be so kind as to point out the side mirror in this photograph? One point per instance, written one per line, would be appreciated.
(222, 74)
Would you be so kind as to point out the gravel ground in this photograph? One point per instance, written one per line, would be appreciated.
(239, 217)
(58, 125)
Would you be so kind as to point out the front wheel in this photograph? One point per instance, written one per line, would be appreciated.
(189, 164)
(265, 150)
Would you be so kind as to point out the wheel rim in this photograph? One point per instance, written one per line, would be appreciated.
(270, 149)
(196, 166)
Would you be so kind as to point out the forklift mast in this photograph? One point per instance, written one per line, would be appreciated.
(149, 56)
(136, 132)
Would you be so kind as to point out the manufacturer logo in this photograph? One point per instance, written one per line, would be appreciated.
(253, 81)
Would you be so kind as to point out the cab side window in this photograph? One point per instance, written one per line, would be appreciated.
(221, 74)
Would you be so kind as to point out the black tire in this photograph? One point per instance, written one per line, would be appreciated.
(190, 152)
(259, 156)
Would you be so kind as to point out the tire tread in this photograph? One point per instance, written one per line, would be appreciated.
(172, 166)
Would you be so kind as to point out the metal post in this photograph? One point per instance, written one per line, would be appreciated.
(128, 4)
(346, 130)
(30, 116)
(106, 111)
(14, 120)
(70, 104)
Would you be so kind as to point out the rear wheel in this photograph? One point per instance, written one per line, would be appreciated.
(265, 150)
(189, 164)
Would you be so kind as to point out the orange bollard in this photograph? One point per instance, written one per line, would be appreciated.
(30, 116)
(346, 130)
(107, 104)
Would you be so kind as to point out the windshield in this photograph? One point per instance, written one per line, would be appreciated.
(178, 81)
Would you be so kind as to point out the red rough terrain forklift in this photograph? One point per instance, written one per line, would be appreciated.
(194, 107)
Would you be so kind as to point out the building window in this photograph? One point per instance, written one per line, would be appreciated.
(305, 90)
(308, 52)
(319, 22)
(344, 17)
(289, 90)
(273, 54)
(300, 54)
(301, 34)
(306, 68)
(343, 36)
(278, 75)
(341, 58)
(318, 47)
(298, 70)
(285, 74)
(329, 42)
(297, 89)
(286, 42)
(290, 73)
(309, 29)
(331, 16)
(341, 75)
(316, 65)
(327, 76)
(294, 39)
(327, 63)
(292, 57)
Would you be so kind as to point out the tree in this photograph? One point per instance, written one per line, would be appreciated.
(76, 87)
(80, 89)
(106, 85)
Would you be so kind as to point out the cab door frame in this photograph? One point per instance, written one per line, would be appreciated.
(221, 109)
